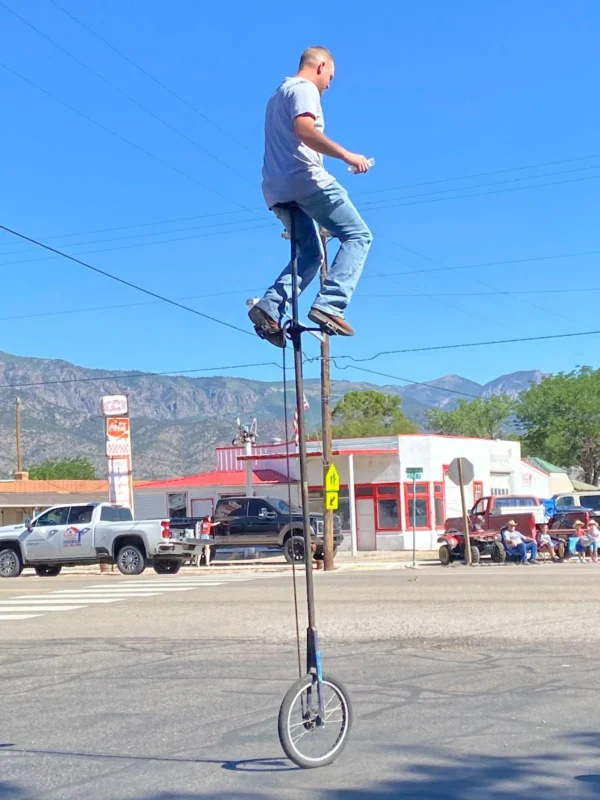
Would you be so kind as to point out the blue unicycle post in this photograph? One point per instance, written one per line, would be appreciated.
(316, 714)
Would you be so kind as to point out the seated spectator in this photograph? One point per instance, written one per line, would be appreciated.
(546, 544)
(518, 545)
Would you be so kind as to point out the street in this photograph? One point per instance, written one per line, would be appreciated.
(466, 683)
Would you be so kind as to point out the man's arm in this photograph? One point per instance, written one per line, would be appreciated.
(304, 125)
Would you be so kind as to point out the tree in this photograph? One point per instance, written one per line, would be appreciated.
(79, 468)
(370, 413)
(560, 418)
(485, 417)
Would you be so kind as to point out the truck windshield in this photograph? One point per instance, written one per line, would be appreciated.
(283, 507)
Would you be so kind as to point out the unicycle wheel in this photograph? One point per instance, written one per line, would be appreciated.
(305, 739)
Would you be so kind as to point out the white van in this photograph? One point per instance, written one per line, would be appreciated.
(589, 499)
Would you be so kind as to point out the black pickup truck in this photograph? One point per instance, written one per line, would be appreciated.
(265, 522)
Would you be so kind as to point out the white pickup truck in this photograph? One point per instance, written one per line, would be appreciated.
(91, 533)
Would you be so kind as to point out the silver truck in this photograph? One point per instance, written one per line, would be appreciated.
(91, 533)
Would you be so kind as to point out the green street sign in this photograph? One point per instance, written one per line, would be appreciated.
(414, 473)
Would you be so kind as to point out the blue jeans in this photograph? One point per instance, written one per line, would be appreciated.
(522, 550)
(332, 209)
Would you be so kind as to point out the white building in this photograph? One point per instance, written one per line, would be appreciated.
(377, 503)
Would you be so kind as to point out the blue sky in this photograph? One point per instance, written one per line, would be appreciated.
(431, 90)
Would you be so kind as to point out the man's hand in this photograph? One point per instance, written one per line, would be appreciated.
(357, 162)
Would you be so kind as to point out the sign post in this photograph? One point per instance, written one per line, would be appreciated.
(461, 471)
(416, 473)
(117, 430)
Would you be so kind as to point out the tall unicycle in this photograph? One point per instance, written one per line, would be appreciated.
(315, 717)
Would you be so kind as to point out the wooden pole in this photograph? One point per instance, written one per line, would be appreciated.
(18, 425)
(326, 421)
(466, 520)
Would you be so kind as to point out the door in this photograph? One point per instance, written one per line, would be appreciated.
(43, 542)
(365, 519)
(262, 526)
(77, 540)
(232, 515)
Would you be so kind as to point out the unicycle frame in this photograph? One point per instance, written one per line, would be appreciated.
(313, 654)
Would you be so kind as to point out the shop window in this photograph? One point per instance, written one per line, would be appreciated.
(418, 512)
(177, 505)
(365, 491)
(387, 515)
(439, 504)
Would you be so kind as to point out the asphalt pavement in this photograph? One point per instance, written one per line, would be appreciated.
(466, 684)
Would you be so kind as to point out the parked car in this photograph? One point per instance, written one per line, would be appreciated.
(264, 523)
(91, 533)
(588, 499)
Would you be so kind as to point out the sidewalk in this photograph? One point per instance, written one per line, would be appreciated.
(344, 560)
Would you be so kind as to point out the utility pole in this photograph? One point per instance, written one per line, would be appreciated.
(19, 450)
(326, 421)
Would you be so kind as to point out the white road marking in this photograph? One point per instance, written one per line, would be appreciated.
(34, 599)
(40, 608)
(113, 592)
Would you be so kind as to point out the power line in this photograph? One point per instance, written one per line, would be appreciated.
(153, 78)
(479, 174)
(584, 290)
(84, 310)
(408, 380)
(484, 185)
(124, 94)
(140, 225)
(466, 345)
(119, 136)
(261, 208)
(125, 282)
(443, 268)
(141, 244)
(141, 235)
(118, 377)
(480, 194)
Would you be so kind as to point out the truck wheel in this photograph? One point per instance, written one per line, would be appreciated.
(293, 549)
(167, 567)
(10, 563)
(47, 570)
(131, 560)
(498, 553)
(445, 555)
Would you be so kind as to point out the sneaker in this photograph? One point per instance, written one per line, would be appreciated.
(533, 561)
(266, 327)
(330, 323)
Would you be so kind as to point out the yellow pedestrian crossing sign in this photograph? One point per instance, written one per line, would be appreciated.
(332, 480)
(332, 501)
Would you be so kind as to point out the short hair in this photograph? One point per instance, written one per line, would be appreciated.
(314, 54)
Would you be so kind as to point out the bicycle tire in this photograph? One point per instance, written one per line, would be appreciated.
(286, 724)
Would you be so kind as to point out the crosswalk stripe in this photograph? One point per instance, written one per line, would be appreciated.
(44, 598)
(30, 607)
(120, 595)
(19, 616)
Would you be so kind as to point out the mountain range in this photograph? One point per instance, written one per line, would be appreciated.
(177, 421)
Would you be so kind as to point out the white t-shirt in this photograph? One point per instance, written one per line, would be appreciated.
(291, 170)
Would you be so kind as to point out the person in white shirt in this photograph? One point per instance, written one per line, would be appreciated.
(518, 545)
